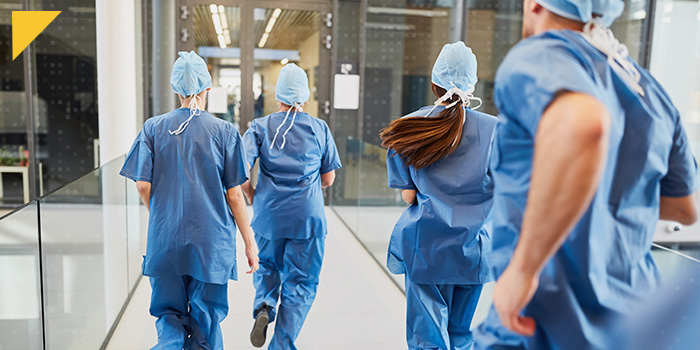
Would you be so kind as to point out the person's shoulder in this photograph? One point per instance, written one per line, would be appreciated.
(421, 112)
(482, 116)
(531, 52)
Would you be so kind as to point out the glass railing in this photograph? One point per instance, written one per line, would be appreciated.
(69, 262)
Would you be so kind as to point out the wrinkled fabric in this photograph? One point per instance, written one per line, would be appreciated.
(191, 230)
(605, 265)
(188, 313)
(190, 75)
(288, 201)
(440, 316)
(584, 10)
(455, 67)
(442, 237)
(292, 85)
(289, 270)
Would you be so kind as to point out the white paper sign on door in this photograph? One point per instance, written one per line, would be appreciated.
(346, 91)
(218, 100)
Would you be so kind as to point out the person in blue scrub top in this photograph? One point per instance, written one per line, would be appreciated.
(297, 160)
(438, 158)
(189, 167)
(589, 154)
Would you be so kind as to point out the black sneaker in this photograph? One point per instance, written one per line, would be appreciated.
(259, 332)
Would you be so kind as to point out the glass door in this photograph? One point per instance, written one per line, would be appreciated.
(246, 44)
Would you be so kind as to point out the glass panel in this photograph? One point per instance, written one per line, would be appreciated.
(217, 39)
(137, 229)
(283, 36)
(675, 60)
(66, 123)
(14, 173)
(20, 303)
(84, 241)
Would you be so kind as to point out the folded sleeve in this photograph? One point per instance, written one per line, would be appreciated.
(398, 174)
(330, 160)
(138, 165)
(252, 141)
(235, 164)
(682, 177)
(532, 76)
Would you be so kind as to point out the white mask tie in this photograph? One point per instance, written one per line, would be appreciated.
(603, 39)
(194, 111)
(296, 107)
(465, 97)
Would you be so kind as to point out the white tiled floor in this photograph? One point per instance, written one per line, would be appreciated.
(357, 307)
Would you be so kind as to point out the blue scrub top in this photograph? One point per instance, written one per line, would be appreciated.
(288, 201)
(191, 229)
(605, 264)
(443, 236)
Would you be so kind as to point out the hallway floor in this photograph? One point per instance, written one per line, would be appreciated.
(357, 306)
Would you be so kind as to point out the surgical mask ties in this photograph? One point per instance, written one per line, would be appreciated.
(465, 97)
(194, 111)
(603, 39)
(296, 108)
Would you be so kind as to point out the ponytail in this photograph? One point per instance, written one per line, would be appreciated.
(422, 141)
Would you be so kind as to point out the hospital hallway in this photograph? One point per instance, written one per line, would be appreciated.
(357, 307)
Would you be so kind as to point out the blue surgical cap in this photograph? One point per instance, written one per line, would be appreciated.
(583, 10)
(292, 85)
(190, 75)
(456, 65)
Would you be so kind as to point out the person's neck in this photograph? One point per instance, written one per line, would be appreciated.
(558, 23)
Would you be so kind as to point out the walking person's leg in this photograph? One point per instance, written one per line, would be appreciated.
(302, 267)
(464, 301)
(169, 305)
(267, 282)
(208, 307)
(427, 315)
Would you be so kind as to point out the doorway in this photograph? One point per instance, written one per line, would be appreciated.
(246, 43)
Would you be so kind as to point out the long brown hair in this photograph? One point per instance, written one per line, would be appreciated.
(422, 141)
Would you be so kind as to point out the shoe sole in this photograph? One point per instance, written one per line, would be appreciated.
(257, 336)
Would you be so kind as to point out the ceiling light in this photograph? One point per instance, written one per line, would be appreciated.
(213, 8)
(217, 24)
(263, 40)
(641, 14)
(222, 41)
(284, 61)
(270, 24)
(276, 13)
(224, 20)
(227, 36)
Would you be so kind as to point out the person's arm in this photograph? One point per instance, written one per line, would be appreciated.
(144, 189)
(327, 179)
(249, 191)
(408, 196)
(235, 200)
(681, 209)
(570, 152)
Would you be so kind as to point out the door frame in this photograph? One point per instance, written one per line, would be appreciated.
(326, 56)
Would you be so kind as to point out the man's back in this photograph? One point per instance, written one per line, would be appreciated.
(605, 263)
(189, 214)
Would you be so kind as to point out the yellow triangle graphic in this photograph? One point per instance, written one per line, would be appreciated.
(26, 26)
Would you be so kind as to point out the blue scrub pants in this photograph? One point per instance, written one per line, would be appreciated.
(189, 312)
(289, 270)
(438, 316)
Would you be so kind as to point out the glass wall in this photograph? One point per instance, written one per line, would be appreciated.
(395, 43)
(50, 139)
(69, 261)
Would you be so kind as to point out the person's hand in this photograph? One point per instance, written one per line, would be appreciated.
(251, 252)
(513, 292)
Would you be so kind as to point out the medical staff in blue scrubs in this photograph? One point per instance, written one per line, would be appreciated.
(438, 157)
(589, 153)
(188, 167)
(297, 159)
